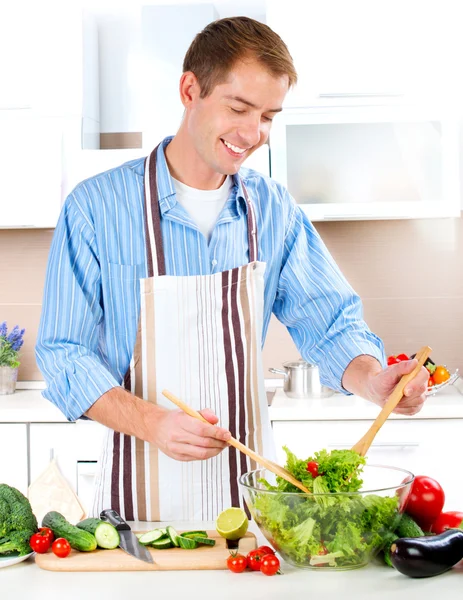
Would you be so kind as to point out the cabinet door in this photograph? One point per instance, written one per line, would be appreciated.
(13, 450)
(423, 446)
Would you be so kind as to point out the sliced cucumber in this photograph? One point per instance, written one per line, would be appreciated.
(187, 543)
(162, 543)
(151, 536)
(189, 534)
(203, 540)
(106, 535)
(173, 535)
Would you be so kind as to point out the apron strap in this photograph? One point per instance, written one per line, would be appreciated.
(154, 247)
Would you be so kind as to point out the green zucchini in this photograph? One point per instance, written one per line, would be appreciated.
(106, 535)
(78, 538)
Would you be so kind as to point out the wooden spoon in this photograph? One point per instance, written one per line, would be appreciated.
(268, 464)
(364, 443)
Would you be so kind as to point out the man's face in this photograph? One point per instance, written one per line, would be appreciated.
(227, 126)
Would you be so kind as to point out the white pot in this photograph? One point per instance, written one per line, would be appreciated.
(8, 378)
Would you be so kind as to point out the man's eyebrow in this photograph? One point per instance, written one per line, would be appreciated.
(243, 101)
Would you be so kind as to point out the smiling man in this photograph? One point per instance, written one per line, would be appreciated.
(164, 272)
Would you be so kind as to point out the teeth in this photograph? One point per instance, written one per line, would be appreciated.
(234, 148)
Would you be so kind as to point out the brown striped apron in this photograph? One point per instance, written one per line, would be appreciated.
(200, 338)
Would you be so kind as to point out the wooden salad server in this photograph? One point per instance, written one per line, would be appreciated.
(364, 443)
(264, 462)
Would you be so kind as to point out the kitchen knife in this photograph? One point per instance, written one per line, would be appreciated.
(129, 541)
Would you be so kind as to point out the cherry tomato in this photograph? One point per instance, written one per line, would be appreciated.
(254, 559)
(440, 375)
(312, 468)
(39, 543)
(425, 501)
(237, 563)
(430, 382)
(401, 357)
(47, 532)
(266, 550)
(392, 360)
(61, 548)
(269, 565)
(447, 520)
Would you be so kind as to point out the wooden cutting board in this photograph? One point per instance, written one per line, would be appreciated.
(172, 559)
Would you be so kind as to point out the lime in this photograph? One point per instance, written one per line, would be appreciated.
(232, 523)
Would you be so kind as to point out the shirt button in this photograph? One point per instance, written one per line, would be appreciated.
(213, 262)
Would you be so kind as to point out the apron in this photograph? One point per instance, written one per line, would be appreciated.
(200, 338)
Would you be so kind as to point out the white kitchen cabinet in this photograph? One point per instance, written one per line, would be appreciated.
(423, 446)
(76, 448)
(13, 453)
(363, 52)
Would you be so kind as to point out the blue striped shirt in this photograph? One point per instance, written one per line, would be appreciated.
(92, 300)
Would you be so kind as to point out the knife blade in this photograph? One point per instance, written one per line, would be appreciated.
(129, 541)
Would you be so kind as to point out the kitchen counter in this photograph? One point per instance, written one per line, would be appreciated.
(26, 581)
(445, 404)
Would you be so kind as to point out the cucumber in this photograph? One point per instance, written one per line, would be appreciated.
(187, 543)
(162, 543)
(408, 528)
(203, 540)
(106, 535)
(173, 535)
(189, 534)
(78, 538)
(151, 536)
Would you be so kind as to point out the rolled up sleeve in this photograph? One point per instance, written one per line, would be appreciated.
(67, 341)
(320, 309)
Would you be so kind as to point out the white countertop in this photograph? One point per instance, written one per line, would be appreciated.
(25, 581)
(445, 404)
(29, 406)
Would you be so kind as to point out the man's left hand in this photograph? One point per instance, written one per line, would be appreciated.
(383, 383)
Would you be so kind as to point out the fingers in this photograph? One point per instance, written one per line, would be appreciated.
(188, 452)
(202, 429)
(209, 415)
(418, 385)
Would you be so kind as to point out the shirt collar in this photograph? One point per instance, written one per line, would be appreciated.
(166, 190)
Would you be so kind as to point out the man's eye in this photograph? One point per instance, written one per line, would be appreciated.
(268, 119)
(239, 112)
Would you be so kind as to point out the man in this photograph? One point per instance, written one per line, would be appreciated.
(163, 274)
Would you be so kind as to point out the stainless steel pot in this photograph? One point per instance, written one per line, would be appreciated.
(302, 380)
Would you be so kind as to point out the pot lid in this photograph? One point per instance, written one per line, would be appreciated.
(298, 364)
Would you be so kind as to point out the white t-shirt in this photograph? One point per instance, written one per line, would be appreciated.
(203, 206)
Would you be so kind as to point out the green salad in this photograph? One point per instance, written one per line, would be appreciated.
(339, 530)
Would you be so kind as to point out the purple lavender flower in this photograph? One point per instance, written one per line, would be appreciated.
(16, 338)
(3, 329)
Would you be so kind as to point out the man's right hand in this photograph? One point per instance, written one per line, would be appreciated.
(186, 438)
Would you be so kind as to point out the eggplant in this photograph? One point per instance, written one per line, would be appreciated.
(428, 555)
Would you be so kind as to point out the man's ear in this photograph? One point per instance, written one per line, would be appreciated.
(189, 88)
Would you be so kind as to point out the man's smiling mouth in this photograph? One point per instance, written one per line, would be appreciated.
(235, 149)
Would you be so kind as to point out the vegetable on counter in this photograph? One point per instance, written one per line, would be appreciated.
(167, 537)
(106, 535)
(61, 548)
(427, 556)
(447, 520)
(426, 501)
(17, 521)
(78, 538)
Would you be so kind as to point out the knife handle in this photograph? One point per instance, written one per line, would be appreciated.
(115, 519)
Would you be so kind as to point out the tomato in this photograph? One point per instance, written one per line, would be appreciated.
(47, 532)
(254, 559)
(425, 501)
(440, 375)
(39, 543)
(266, 550)
(392, 360)
(312, 468)
(237, 563)
(269, 564)
(430, 382)
(447, 520)
(61, 548)
(401, 357)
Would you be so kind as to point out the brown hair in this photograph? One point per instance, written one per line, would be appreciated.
(215, 50)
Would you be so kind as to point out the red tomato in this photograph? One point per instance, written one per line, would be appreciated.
(47, 532)
(61, 547)
(401, 357)
(269, 564)
(254, 559)
(237, 563)
(266, 550)
(425, 501)
(447, 520)
(39, 543)
(312, 468)
(392, 360)
(430, 382)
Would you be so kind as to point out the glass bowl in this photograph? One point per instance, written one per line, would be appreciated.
(329, 531)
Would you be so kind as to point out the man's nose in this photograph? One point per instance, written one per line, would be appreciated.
(251, 133)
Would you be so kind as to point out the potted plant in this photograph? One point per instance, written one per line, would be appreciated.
(10, 344)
